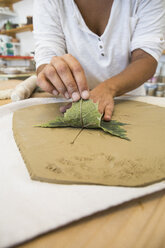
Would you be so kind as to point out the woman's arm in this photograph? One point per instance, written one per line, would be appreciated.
(141, 68)
(58, 72)
(146, 45)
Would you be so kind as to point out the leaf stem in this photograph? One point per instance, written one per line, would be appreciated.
(77, 136)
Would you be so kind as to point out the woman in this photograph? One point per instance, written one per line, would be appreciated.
(97, 49)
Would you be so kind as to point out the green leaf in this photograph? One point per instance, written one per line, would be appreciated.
(114, 127)
(85, 114)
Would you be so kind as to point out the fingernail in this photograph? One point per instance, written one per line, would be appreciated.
(67, 95)
(62, 109)
(75, 96)
(55, 92)
(85, 94)
(107, 118)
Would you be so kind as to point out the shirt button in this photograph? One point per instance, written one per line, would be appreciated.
(99, 39)
(102, 54)
(101, 47)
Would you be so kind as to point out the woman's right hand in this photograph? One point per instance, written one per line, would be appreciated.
(64, 75)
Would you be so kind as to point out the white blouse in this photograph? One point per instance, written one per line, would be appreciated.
(59, 28)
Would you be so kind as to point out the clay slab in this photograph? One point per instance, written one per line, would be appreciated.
(95, 157)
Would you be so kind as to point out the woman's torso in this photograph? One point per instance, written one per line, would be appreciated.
(105, 52)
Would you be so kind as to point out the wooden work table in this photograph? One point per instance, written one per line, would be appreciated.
(136, 224)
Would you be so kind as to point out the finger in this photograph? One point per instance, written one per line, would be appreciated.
(108, 112)
(51, 74)
(44, 84)
(78, 74)
(101, 107)
(64, 108)
(66, 77)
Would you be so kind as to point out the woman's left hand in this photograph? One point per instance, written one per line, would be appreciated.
(105, 99)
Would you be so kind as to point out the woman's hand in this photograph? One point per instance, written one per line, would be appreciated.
(103, 95)
(64, 75)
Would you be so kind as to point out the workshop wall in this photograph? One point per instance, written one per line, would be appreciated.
(23, 9)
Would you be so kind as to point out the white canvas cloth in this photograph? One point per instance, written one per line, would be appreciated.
(29, 208)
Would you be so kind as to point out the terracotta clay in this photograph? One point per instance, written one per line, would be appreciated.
(95, 157)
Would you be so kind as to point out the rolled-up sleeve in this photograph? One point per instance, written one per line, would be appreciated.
(149, 33)
(48, 33)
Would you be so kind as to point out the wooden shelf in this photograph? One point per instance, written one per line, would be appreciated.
(23, 75)
(16, 57)
(13, 32)
(8, 2)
